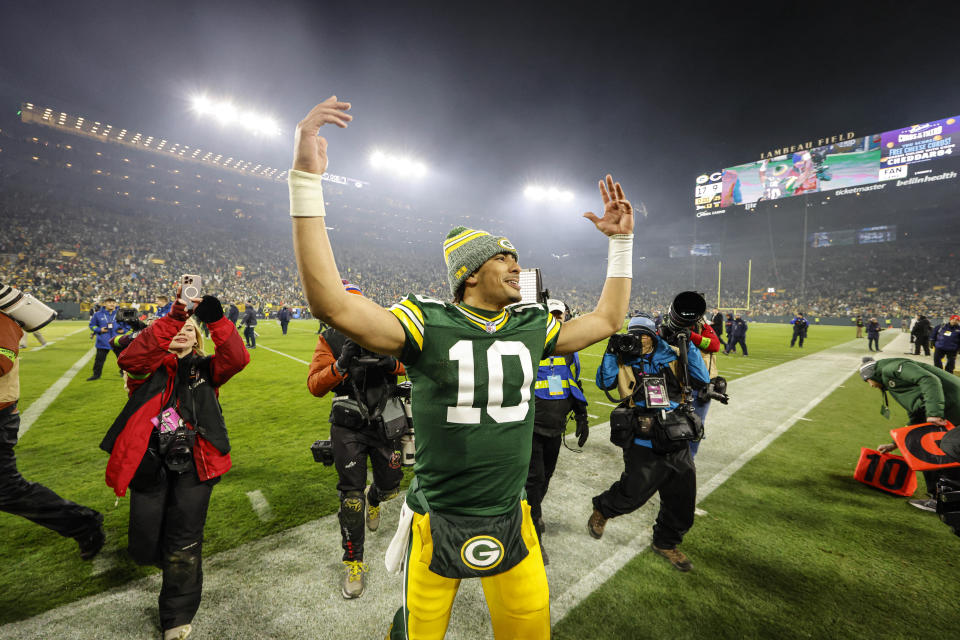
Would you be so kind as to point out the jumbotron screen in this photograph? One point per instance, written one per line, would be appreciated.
(912, 155)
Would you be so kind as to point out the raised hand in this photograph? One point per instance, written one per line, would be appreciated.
(617, 210)
(310, 149)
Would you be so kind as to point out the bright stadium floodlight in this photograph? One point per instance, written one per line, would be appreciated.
(401, 166)
(547, 194)
(228, 113)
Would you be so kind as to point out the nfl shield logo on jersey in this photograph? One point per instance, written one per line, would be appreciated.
(491, 327)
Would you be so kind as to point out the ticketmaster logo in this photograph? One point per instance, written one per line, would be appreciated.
(947, 175)
(873, 187)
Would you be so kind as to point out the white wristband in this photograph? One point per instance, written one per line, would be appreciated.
(620, 256)
(306, 194)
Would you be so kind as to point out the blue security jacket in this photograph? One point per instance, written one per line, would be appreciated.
(799, 326)
(105, 326)
(567, 379)
(653, 363)
(739, 329)
(947, 337)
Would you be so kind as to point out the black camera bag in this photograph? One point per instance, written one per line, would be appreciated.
(622, 422)
(392, 419)
(674, 429)
(347, 412)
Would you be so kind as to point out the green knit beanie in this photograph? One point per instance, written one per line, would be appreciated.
(465, 250)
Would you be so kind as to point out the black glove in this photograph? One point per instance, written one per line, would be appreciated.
(387, 363)
(348, 354)
(209, 310)
(583, 429)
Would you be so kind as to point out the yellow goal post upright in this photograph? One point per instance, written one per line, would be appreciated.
(734, 310)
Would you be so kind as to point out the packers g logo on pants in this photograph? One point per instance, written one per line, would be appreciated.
(482, 552)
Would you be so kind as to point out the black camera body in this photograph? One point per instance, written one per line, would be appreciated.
(717, 390)
(948, 503)
(625, 345)
(176, 447)
(322, 452)
(126, 314)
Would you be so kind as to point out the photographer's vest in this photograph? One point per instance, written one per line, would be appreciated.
(371, 383)
(10, 383)
(10, 334)
(557, 379)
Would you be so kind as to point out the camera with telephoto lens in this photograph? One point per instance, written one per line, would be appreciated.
(625, 345)
(717, 390)
(685, 310)
(24, 309)
(408, 443)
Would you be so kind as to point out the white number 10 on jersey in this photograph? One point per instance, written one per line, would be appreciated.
(465, 412)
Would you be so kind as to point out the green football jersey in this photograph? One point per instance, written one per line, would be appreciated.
(473, 373)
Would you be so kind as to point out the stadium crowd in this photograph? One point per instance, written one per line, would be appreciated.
(68, 252)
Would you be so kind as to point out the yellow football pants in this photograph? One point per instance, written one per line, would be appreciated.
(518, 599)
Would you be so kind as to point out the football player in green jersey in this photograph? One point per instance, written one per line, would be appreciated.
(472, 363)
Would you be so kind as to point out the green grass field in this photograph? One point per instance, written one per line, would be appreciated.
(792, 545)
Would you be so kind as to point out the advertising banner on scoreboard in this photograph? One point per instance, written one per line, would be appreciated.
(918, 143)
(839, 166)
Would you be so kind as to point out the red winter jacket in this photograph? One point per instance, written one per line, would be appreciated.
(149, 365)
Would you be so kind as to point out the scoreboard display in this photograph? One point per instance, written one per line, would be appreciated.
(911, 155)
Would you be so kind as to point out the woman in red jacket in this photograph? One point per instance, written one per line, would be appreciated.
(170, 446)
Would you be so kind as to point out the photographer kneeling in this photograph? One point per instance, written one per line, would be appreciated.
(654, 423)
(364, 421)
(170, 446)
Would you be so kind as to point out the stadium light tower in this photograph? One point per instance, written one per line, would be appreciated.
(225, 112)
(400, 166)
(539, 193)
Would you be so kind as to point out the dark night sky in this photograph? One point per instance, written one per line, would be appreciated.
(493, 96)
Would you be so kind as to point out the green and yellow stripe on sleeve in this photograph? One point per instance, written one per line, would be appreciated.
(411, 319)
(553, 332)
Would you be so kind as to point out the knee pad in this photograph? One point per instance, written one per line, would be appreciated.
(351, 509)
(181, 565)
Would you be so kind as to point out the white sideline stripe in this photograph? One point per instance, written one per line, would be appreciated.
(36, 409)
(285, 355)
(259, 503)
(104, 561)
(808, 419)
(707, 488)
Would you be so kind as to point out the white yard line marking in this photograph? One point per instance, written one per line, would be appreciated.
(36, 409)
(285, 355)
(806, 419)
(260, 505)
(50, 342)
(590, 415)
(606, 404)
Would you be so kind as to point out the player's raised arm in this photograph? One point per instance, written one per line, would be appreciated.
(607, 318)
(367, 323)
